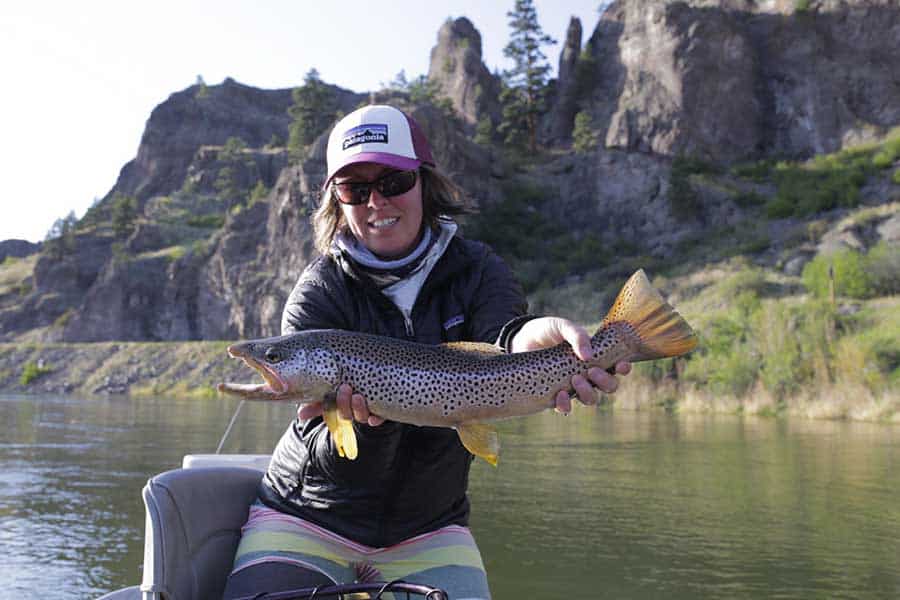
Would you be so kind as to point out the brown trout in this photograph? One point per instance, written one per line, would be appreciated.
(461, 385)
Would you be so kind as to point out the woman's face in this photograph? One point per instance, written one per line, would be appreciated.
(389, 227)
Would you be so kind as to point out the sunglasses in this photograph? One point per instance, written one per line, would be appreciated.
(388, 185)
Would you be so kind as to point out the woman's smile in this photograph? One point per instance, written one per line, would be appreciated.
(384, 223)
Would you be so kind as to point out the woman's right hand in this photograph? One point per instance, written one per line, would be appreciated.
(350, 406)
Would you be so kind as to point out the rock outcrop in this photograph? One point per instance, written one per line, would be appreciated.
(456, 66)
(201, 116)
(562, 114)
(17, 249)
(729, 81)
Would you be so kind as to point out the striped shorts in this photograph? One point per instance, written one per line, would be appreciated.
(446, 558)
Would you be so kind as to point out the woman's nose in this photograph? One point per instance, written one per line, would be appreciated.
(376, 200)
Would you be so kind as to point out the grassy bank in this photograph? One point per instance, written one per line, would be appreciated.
(762, 351)
(766, 350)
(134, 368)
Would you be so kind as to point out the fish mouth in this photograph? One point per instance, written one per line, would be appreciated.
(276, 384)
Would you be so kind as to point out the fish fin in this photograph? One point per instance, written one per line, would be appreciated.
(342, 432)
(481, 440)
(482, 348)
(662, 332)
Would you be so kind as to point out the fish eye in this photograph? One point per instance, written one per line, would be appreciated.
(273, 355)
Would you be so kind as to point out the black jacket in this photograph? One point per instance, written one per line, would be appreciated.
(407, 480)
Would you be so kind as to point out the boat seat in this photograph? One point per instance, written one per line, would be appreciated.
(193, 525)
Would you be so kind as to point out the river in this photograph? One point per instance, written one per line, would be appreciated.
(600, 504)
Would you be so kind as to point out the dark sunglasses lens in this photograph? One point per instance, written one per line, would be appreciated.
(397, 183)
(352, 193)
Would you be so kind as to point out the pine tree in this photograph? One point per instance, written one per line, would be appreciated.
(583, 137)
(315, 107)
(60, 240)
(523, 95)
(124, 214)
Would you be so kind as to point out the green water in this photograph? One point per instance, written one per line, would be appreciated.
(595, 505)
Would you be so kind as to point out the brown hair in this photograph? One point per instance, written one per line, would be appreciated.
(440, 197)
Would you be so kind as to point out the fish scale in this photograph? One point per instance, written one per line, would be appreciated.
(459, 385)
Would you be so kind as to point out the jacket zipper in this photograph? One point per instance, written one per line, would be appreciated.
(407, 320)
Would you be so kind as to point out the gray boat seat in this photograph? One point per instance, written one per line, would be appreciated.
(193, 525)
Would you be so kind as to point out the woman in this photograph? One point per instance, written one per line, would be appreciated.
(391, 265)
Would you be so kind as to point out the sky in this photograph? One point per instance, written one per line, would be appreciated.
(81, 78)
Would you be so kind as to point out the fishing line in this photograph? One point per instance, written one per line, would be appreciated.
(230, 425)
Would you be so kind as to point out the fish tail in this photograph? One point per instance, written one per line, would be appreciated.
(661, 332)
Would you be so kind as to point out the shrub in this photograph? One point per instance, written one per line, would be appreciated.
(683, 198)
(124, 213)
(882, 265)
(259, 192)
(825, 183)
(725, 360)
(32, 371)
(484, 131)
(233, 150)
(583, 137)
(758, 171)
(889, 153)
(120, 253)
(882, 160)
(896, 177)
(850, 276)
(427, 91)
(202, 91)
(213, 221)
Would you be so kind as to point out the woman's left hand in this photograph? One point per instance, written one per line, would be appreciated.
(545, 332)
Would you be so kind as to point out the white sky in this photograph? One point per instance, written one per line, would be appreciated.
(79, 79)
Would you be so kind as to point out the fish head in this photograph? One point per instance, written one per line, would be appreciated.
(292, 366)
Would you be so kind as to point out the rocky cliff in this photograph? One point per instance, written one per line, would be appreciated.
(734, 80)
(457, 67)
(223, 231)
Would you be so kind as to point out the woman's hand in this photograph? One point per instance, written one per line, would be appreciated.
(545, 332)
(350, 406)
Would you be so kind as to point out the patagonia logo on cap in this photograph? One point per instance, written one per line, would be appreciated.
(369, 133)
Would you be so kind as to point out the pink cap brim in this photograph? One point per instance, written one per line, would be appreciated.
(389, 160)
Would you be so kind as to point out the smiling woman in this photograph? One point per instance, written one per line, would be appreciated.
(392, 264)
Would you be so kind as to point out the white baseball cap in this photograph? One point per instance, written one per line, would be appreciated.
(378, 134)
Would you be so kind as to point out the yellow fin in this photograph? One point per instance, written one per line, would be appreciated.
(481, 440)
(662, 331)
(342, 433)
(482, 348)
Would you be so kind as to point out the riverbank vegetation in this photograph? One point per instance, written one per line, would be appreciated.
(766, 352)
(767, 347)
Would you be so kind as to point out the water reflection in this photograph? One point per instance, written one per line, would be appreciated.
(644, 505)
(617, 505)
